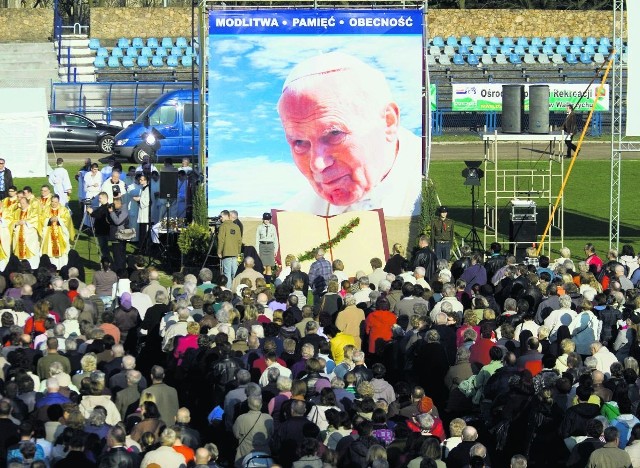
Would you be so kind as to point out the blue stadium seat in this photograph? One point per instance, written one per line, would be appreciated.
(137, 43)
(117, 52)
(123, 42)
(167, 42)
(143, 62)
(550, 41)
(458, 59)
(438, 41)
(564, 40)
(577, 40)
(603, 49)
(536, 42)
(181, 42)
(562, 50)
(463, 50)
(157, 62)
(518, 49)
(508, 41)
(480, 41)
(189, 50)
(176, 51)
(598, 58)
(605, 41)
(186, 61)
(492, 50)
(102, 52)
(146, 52)
(571, 59)
(533, 50)
(152, 42)
(465, 41)
(478, 49)
(589, 49)
(575, 50)
(548, 49)
(452, 41)
(127, 62)
(494, 41)
(94, 44)
(114, 62)
(172, 61)
(132, 52)
(505, 49)
(198, 59)
(585, 59)
(472, 59)
(591, 41)
(161, 52)
(523, 41)
(99, 62)
(515, 59)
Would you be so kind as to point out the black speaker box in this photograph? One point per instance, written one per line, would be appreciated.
(512, 108)
(539, 109)
(521, 231)
(169, 185)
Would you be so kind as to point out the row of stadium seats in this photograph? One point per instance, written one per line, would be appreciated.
(145, 52)
(516, 59)
(521, 41)
(521, 50)
(139, 43)
(145, 62)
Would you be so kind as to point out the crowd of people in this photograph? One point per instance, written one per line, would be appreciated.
(419, 363)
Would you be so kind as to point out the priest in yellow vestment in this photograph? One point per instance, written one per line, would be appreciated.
(24, 228)
(57, 232)
(6, 217)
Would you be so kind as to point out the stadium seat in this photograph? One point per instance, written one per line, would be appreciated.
(123, 42)
(506, 50)
(564, 40)
(99, 62)
(167, 42)
(515, 59)
(494, 41)
(452, 41)
(557, 59)
(562, 50)
(146, 52)
(592, 41)
(181, 42)
(598, 58)
(480, 41)
(536, 42)
(463, 50)
(172, 61)
(603, 49)
(492, 50)
(176, 51)
(508, 41)
(625, 57)
(188, 50)
(187, 61)
(523, 41)
(550, 41)
(157, 62)
(102, 52)
(152, 42)
(114, 62)
(575, 50)
(431, 60)
(543, 59)
(94, 44)
(577, 40)
(548, 49)
(117, 52)
(465, 41)
(449, 50)
(132, 52)
(143, 61)
(501, 59)
(472, 59)
(127, 62)
(477, 50)
(434, 50)
(438, 41)
(533, 50)
(487, 59)
(137, 42)
(605, 41)
(585, 58)
(529, 59)
(161, 52)
(571, 59)
(458, 59)
(589, 49)
(519, 50)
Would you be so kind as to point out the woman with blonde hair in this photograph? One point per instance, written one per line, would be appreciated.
(396, 261)
(469, 320)
(286, 269)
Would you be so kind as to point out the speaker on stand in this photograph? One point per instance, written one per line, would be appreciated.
(539, 109)
(512, 108)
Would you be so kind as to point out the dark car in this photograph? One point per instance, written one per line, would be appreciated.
(74, 132)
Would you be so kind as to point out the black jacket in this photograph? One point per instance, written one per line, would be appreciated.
(493, 264)
(8, 179)
(576, 419)
(119, 458)
(100, 223)
(425, 257)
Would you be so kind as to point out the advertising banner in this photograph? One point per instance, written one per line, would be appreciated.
(487, 97)
(316, 111)
(633, 75)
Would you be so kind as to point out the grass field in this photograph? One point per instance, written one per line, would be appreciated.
(587, 204)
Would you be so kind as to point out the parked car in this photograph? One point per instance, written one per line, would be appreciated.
(74, 132)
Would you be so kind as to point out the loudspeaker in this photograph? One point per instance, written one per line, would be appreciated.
(521, 231)
(169, 185)
(512, 108)
(539, 109)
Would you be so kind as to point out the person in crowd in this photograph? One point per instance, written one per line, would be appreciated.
(61, 183)
(57, 232)
(6, 179)
(267, 245)
(229, 246)
(144, 200)
(25, 232)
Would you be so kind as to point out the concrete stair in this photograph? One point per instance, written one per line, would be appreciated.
(33, 65)
(76, 59)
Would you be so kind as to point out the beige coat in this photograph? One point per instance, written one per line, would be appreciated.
(350, 321)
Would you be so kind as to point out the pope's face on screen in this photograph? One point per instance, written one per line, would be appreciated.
(342, 142)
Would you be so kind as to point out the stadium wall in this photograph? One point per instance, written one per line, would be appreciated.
(112, 23)
(25, 24)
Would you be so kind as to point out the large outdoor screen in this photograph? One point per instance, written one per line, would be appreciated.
(315, 111)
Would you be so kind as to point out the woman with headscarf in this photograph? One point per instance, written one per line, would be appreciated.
(126, 316)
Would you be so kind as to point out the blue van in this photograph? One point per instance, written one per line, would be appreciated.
(175, 116)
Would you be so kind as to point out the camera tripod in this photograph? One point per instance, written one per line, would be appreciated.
(213, 244)
(88, 231)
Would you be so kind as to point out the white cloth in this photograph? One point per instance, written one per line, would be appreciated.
(92, 184)
(133, 190)
(376, 276)
(143, 207)
(604, 359)
(141, 302)
(59, 180)
(398, 194)
(284, 372)
(556, 319)
(585, 328)
(82, 194)
(107, 187)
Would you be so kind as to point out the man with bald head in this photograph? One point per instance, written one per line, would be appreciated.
(599, 389)
(189, 436)
(459, 456)
(202, 458)
(248, 272)
(343, 128)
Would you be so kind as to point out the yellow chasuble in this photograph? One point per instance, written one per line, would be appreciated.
(56, 235)
(26, 241)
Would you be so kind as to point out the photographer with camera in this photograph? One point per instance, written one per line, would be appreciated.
(100, 224)
(118, 220)
(113, 186)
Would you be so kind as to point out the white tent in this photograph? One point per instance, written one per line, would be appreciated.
(24, 127)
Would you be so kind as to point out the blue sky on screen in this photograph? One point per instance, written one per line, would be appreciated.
(248, 154)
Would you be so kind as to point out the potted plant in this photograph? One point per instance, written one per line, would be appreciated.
(193, 242)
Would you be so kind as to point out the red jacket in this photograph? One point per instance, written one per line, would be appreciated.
(378, 326)
(480, 351)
